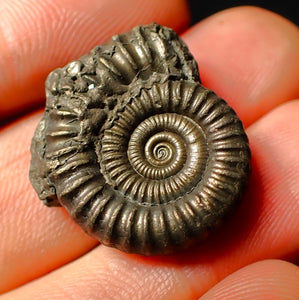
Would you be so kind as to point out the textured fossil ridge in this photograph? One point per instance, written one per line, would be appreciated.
(141, 155)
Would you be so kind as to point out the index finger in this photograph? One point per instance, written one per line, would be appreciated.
(38, 36)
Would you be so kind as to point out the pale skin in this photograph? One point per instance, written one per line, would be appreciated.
(250, 57)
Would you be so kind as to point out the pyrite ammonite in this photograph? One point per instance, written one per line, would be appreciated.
(141, 155)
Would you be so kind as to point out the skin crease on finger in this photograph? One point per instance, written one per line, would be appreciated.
(38, 36)
(193, 272)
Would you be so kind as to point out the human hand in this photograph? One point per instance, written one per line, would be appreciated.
(249, 57)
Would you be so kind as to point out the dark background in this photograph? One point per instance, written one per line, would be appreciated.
(201, 9)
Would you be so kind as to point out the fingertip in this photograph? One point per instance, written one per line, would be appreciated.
(249, 56)
(268, 279)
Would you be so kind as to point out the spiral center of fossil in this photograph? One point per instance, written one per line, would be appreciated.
(156, 150)
(162, 153)
(156, 159)
(164, 148)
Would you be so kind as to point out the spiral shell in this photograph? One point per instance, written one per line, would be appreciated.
(140, 154)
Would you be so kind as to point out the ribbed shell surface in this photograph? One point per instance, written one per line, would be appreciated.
(141, 155)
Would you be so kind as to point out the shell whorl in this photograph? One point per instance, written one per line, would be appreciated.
(141, 155)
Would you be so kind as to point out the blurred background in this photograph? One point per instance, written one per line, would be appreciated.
(201, 9)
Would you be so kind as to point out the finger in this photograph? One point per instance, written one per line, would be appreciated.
(250, 57)
(270, 279)
(265, 226)
(34, 239)
(38, 36)
(106, 273)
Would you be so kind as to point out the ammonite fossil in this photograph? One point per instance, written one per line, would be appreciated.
(141, 155)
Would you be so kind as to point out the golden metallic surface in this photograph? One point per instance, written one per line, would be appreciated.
(141, 155)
